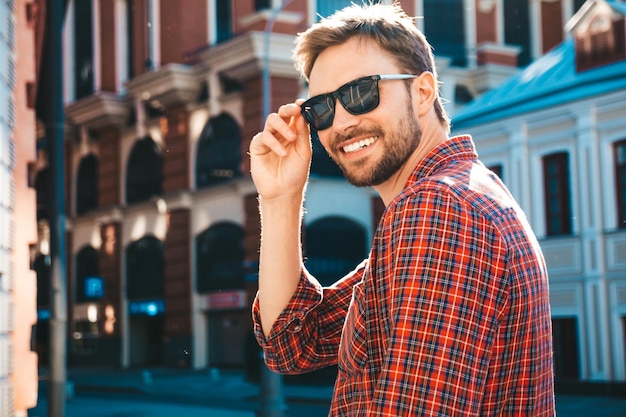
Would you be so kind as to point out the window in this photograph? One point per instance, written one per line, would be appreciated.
(41, 265)
(444, 26)
(557, 194)
(220, 256)
(144, 269)
(517, 28)
(578, 4)
(262, 4)
(334, 246)
(85, 336)
(42, 190)
(141, 38)
(497, 169)
(619, 150)
(86, 271)
(219, 151)
(130, 39)
(602, 43)
(566, 357)
(144, 175)
(223, 21)
(87, 185)
(83, 48)
(462, 94)
(327, 7)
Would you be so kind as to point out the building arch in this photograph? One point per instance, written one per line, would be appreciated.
(218, 156)
(144, 171)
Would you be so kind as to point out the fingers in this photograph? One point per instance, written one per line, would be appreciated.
(281, 128)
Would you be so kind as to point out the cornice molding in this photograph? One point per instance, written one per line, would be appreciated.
(242, 58)
(99, 110)
(169, 85)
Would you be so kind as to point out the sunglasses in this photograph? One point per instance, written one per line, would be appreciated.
(357, 97)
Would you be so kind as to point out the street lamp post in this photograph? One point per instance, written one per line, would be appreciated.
(272, 400)
(54, 120)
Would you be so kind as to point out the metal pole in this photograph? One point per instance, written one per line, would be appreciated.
(272, 400)
(57, 378)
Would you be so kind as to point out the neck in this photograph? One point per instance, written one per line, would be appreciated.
(431, 138)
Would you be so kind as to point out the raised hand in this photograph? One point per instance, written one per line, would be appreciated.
(280, 155)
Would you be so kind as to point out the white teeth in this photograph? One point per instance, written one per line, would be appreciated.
(357, 146)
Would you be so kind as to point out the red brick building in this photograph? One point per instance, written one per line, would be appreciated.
(162, 99)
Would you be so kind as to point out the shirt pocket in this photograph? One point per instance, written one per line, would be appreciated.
(353, 346)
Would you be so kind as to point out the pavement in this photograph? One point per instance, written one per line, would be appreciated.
(229, 393)
(225, 393)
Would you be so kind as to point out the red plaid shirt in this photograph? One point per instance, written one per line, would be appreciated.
(448, 316)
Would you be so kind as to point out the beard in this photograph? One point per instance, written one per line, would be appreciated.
(397, 146)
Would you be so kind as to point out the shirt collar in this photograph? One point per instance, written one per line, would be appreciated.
(456, 148)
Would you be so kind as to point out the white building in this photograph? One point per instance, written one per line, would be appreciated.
(556, 133)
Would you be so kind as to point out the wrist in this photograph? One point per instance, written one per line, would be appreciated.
(281, 202)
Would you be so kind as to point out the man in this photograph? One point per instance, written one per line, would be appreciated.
(450, 313)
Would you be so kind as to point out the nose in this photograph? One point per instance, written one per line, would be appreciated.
(343, 119)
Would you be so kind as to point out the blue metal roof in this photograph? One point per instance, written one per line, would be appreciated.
(547, 82)
(618, 7)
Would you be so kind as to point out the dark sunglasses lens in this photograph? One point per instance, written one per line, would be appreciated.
(319, 111)
(360, 97)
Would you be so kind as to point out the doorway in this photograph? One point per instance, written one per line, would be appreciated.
(146, 340)
(227, 338)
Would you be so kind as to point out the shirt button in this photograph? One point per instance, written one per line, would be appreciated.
(297, 325)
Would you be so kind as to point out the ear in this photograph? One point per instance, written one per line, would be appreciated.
(424, 92)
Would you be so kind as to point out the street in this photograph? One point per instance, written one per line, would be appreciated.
(126, 393)
(107, 407)
(97, 404)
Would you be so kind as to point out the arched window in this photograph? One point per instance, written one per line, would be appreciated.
(334, 246)
(219, 254)
(144, 269)
(42, 190)
(88, 281)
(218, 156)
(87, 184)
(144, 173)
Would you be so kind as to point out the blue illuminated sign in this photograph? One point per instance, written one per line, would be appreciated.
(146, 307)
(43, 314)
(94, 287)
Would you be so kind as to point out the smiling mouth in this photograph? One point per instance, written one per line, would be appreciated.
(357, 146)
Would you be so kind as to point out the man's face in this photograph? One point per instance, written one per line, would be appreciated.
(371, 147)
